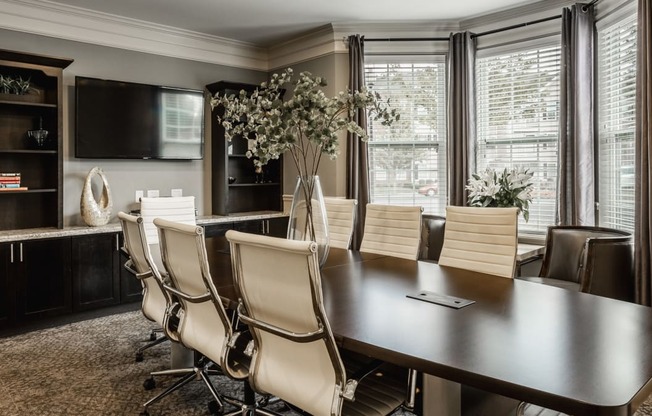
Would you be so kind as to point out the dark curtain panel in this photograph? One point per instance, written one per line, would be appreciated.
(461, 115)
(576, 202)
(643, 245)
(357, 151)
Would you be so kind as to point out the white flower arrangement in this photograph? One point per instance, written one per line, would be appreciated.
(510, 188)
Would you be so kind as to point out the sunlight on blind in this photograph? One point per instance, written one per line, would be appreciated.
(518, 123)
(616, 123)
(407, 162)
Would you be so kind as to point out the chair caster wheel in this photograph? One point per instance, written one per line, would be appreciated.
(149, 384)
(152, 336)
(139, 357)
(215, 408)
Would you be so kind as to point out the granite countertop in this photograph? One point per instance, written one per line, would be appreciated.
(41, 233)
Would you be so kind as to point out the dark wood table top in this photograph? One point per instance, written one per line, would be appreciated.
(573, 352)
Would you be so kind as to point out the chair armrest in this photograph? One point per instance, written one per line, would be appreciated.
(294, 336)
(193, 299)
(129, 266)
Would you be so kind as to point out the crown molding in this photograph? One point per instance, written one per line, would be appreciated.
(43, 17)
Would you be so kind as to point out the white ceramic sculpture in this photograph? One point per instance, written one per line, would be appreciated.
(96, 213)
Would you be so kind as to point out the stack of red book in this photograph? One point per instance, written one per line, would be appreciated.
(10, 182)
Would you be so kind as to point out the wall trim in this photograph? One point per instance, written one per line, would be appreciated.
(43, 17)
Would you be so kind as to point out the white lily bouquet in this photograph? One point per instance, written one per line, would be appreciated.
(509, 188)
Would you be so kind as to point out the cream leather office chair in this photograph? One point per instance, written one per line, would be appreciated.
(481, 239)
(204, 325)
(177, 208)
(340, 213)
(155, 300)
(392, 230)
(295, 357)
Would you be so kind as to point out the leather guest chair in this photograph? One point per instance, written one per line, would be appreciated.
(592, 260)
(204, 325)
(392, 230)
(432, 237)
(295, 356)
(155, 301)
(481, 239)
(340, 213)
(485, 240)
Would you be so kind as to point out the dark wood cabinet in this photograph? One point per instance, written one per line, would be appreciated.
(95, 271)
(245, 191)
(275, 227)
(7, 298)
(40, 165)
(40, 274)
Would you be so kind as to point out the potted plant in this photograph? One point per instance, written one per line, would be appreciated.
(509, 188)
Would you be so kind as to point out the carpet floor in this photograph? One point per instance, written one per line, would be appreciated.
(88, 368)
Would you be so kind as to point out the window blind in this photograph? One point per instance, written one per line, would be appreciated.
(616, 123)
(407, 161)
(518, 122)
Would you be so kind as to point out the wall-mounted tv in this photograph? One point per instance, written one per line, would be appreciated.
(125, 120)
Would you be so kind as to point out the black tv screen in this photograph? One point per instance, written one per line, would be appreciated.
(124, 120)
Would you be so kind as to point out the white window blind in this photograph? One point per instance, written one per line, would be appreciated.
(518, 122)
(616, 123)
(407, 161)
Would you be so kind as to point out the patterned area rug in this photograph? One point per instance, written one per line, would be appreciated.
(88, 368)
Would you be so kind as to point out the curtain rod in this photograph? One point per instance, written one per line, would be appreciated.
(502, 29)
(474, 35)
(440, 39)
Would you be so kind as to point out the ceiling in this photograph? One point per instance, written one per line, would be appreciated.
(266, 22)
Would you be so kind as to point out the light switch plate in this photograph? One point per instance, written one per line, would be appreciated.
(139, 194)
(152, 193)
(176, 192)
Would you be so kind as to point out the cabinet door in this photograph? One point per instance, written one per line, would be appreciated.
(277, 227)
(6, 289)
(95, 271)
(41, 273)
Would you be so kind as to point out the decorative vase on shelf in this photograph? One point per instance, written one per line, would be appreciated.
(96, 213)
(308, 215)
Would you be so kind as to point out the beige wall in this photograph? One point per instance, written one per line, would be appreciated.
(127, 176)
(332, 173)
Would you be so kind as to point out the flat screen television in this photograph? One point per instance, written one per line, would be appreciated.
(125, 120)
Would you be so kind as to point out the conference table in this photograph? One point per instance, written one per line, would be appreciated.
(573, 352)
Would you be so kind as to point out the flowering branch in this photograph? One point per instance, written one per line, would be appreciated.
(306, 125)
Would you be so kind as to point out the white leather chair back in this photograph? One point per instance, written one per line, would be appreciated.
(481, 239)
(392, 230)
(341, 221)
(179, 209)
(204, 325)
(280, 287)
(154, 300)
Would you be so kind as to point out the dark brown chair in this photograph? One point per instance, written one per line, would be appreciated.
(432, 237)
(593, 260)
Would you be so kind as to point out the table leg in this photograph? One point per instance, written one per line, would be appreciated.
(441, 397)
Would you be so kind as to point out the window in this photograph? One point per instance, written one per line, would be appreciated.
(616, 123)
(407, 161)
(517, 97)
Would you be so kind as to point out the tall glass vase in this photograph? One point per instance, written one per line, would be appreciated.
(308, 215)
